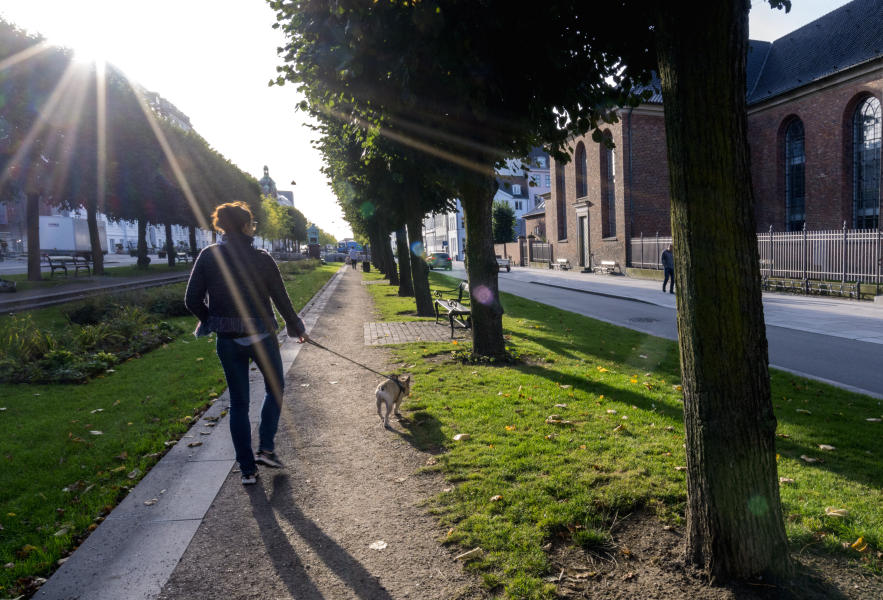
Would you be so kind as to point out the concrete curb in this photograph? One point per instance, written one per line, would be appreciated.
(135, 549)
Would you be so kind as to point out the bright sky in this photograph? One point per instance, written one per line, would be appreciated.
(213, 59)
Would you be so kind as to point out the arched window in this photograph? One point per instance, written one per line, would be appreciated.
(608, 187)
(866, 164)
(560, 201)
(582, 187)
(795, 168)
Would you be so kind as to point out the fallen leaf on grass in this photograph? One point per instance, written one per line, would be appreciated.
(133, 474)
(510, 427)
(837, 512)
(602, 370)
(669, 428)
(826, 447)
(97, 410)
(785, 481)
(809, 459)
(461, 437)
(803, 411)
(611, 411)
(378, 545)
(870, 420)
(680, 468)
(633, 380)
(619, 427)
(859, 545)
(469, 554)
(496, 498)
(565, 387)
(96, 432)
(560, 406)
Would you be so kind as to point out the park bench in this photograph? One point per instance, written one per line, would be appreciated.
(61, 263)
(183, 257)
(562, 264)
(608, 267)
(455, 310)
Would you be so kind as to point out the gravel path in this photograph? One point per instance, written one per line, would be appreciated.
(304, 532)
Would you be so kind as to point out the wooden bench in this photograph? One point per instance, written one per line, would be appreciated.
(60, 263)
(455, 310)
(608, 267)
(562, 264)
(183, 257)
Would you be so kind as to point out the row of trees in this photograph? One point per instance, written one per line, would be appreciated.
(417, 104)
(73, 136)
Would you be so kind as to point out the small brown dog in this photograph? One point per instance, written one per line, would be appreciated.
(390, 392)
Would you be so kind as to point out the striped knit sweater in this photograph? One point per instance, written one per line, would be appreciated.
(230, 289)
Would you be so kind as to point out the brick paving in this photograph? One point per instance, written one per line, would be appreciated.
(381, 334)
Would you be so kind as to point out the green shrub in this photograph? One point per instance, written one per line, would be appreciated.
(167, 303)
(296, 267)
(22, 340)
(90, 311)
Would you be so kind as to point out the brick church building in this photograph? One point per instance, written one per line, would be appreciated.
(814, 128)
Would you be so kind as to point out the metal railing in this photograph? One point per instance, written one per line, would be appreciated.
(540, 251)
(845, 255)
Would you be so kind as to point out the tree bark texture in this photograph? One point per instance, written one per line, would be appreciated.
(32, 221)
(143, 259)
(170, 245)
(406, 286)
(734, 514)
(95, 238)
(419, 268)
(384, 251)
(191, 230)
(477, 193)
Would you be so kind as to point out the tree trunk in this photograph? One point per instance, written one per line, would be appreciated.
(143, 259)
(32, 220)
(192, 231)
(386, 257)
(477, 193)
(406, 286)
(94, 238)
(170, 245)
(734, 515)
(419, 268)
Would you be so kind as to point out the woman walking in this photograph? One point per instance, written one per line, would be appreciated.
(230, 289)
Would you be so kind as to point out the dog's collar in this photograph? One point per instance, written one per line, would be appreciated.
(398, 383)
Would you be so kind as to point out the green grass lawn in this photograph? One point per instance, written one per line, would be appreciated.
(589, 425)
(71, 452)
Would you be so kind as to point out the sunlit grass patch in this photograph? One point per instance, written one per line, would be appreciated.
(588, 427)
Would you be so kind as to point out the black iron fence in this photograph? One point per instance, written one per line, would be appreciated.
(846, 255)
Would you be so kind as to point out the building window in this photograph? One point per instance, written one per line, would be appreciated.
(541, 162)
(519, 205)
(582, 187)
(608, 189)
(547, 180)
(866, 164)
(516, 189)
(795, 168)
(560, 201)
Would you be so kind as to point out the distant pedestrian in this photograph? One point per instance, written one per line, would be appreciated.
(668, 263)
(229, 291)
(354, 257)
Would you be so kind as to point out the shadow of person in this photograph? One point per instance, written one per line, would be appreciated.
(350, 571)
(285, 559)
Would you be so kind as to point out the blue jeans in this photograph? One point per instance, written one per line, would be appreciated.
(235, 359)
(669, 273)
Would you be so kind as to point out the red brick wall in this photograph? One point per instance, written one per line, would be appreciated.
(827, 123)
(512, 251)
(649, 189)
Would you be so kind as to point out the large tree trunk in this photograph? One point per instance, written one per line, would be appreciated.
(170, 245)
(406, 286)
(477, 193)
(143, 259)
(94, 238)
(32, 221)
(734, 515)
(419, 268)
(192, 231)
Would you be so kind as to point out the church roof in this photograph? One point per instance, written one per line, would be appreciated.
(843, 38)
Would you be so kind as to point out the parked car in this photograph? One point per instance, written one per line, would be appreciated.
(439, 260)
(503, 263)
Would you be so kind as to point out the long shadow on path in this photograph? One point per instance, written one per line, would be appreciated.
(290, 568)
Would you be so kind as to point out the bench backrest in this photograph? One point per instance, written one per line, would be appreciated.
(608, 262)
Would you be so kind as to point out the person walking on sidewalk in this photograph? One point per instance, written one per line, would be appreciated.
(354, 257)
(668, 263)
(230, 289)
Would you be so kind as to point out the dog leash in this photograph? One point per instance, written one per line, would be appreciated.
(367, 368)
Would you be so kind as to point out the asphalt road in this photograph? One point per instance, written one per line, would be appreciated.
(795, 326)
